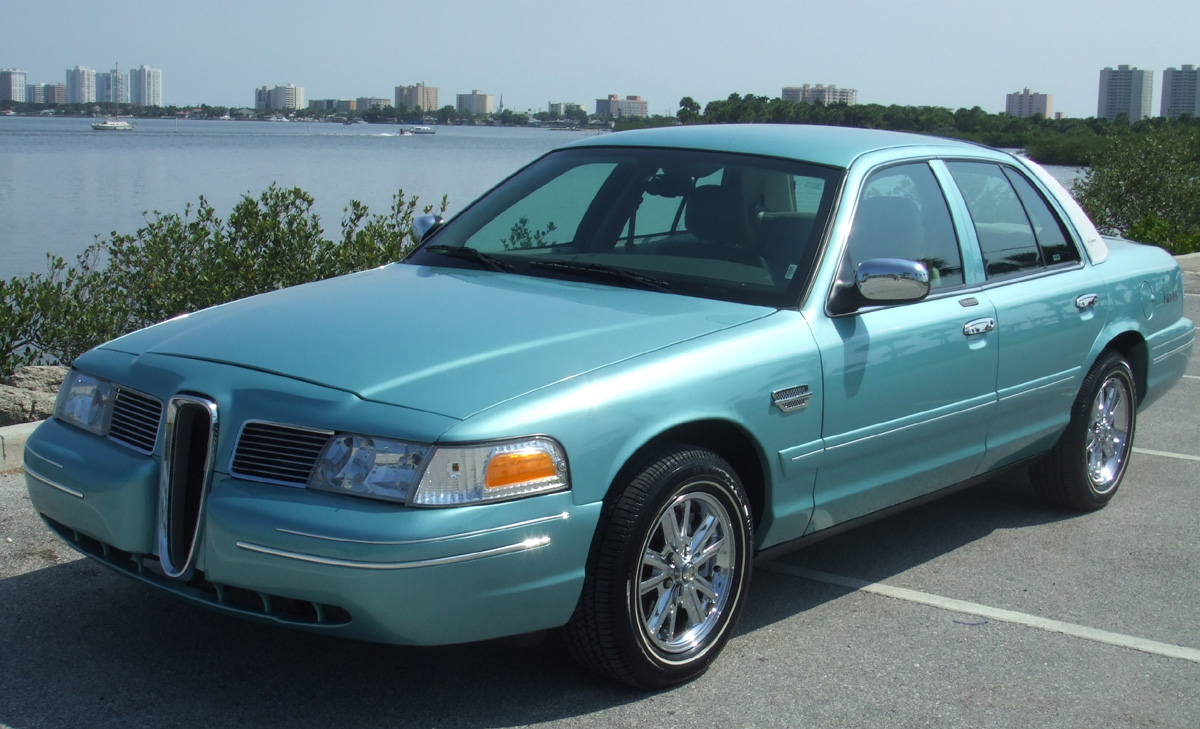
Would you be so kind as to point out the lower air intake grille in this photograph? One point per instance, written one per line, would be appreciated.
(135, 420)
(277, 453)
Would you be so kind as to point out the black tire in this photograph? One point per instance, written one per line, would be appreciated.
(651, 614)
(1084, 469)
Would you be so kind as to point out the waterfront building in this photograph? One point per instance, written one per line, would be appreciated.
(420, 97)
(342, 105)
(35, 94)
(145, 86)
(81, 85)
(1026, 103)
(820, 94)
(1125, 90)
(615, 107)
(54, 93)
(559, 109)
(112, 87)
(12, 85)
(363, 103)
(1180, 92)
(279, 98)
(475, 102)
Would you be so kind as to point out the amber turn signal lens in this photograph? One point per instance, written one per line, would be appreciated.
(507, 469)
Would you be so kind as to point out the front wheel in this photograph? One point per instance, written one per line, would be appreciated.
(1085, 467)
(668, 572)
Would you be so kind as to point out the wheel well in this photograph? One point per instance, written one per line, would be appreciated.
(723, 438)
(1133, 347)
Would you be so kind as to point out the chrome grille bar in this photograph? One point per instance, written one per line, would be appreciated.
(184, 479)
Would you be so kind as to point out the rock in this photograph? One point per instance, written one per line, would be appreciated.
(39, 378)
(29, 394)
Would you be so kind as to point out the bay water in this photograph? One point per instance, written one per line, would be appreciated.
(62, 184)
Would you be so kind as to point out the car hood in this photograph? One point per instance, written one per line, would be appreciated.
(446, 341)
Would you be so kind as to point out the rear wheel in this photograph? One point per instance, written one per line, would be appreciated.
(1086, 466)
(668, 572)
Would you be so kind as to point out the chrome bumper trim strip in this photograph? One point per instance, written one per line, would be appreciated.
(52, 484)
(532, 522)
(524, 546)
(1174, 352)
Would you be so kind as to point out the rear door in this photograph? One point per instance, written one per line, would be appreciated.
(1050, 307)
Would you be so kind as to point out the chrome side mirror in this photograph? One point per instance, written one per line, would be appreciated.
(891, 280)
(426, 224)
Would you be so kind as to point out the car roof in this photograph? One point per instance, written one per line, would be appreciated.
(832, 146)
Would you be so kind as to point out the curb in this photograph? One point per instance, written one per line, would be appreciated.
(12, 445)
(1189, 261)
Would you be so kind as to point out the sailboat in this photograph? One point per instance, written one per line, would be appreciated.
(114, 123)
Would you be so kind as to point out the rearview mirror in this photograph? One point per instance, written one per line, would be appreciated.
(426, 224)
(891, 280)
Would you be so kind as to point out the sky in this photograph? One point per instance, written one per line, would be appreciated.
(950, 53)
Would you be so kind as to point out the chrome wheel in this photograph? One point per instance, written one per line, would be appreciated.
(687, 563)
(668, 572)
(1085, 467)
(1108, 434)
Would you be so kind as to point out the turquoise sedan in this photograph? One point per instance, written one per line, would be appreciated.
(596, 395)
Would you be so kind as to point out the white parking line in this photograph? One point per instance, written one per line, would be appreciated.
(998, 614)
(1191, 377)
(1166, 454)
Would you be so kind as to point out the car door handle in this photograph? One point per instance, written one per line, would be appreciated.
(1086, 301)
(979, 326)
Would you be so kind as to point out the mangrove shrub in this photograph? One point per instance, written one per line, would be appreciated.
(180, 263)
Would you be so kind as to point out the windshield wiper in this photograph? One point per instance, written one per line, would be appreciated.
(599, 270)
(471, 254)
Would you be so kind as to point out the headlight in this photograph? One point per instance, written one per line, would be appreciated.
(85, 402)
(448, 476)
(376, 467)
(492, 472)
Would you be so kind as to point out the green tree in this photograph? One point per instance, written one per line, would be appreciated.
(689, 110)
(1146, 186)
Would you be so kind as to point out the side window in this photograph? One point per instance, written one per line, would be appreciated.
(1051, 236)
(1017, 230)
(903, 214)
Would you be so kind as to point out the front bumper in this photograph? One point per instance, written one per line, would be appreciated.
(337, 564)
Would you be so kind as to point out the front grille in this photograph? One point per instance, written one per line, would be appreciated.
(135, 420)
(275, 453)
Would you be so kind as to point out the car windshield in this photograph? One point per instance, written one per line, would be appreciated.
(724, 226)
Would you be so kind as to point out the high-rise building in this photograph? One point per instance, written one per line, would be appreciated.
(54, 93)
(475, 102)
(821, 94)
(145, 86)
(1126, 90)
(81, 85)
(1181, 92)
(112, 87)
(279, 98)
(1026, 103)
(35, 94)
(615, 107)
(420, 97)
(333, 105)
(12, 85)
